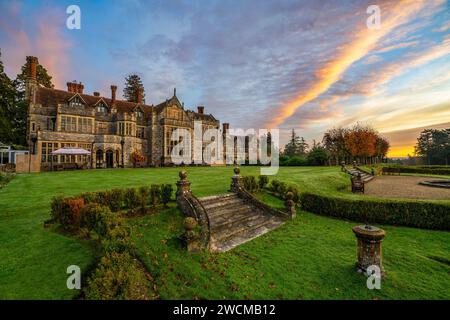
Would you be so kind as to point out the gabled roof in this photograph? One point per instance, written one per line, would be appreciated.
(53, 97)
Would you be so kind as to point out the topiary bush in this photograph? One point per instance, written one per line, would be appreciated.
(131, 200)
(250, 183)
(263, 181)
(155, 194)
(118, 277)
(427, 215)
(166, 193)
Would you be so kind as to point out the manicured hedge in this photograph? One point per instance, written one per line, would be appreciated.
(418, 214)
(441, 170)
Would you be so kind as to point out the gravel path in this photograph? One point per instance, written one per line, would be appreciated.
(405, 187)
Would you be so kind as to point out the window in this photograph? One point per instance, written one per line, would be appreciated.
(84, 125)
(47, 149)
(128, 129)
(76, 102)
(121, 128)
(101, 107)
(68, 123)
(33, 127)
(102, 127)
(139, 114)
(140, 132)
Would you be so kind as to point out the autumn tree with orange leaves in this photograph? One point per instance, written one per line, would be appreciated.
(358, 143)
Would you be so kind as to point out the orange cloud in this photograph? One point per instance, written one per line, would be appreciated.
(403, 141)
(45, 41)
(363, 42)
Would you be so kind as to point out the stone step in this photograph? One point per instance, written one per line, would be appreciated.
(245, 236)
(227, 233)
(210, 206)
(212, 199)
(231, 209)
(233, 221)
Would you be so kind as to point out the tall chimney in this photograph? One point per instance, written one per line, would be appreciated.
(113, 93)
(225, 127)
(201, 109)
(32, 65)
(71, 87)
(80, 88)
(139, 95)
(96, 94)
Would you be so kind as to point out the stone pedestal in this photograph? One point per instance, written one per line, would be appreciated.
(183, 185)
(290, 205)
(369, 247)
(236, 180)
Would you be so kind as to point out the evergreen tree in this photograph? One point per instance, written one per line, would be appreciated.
(132, 83)
(292, 147)
(20, 107)
(7, 93)
(42, 77)
(302, 147)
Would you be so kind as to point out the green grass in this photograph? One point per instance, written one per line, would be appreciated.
(309, 257)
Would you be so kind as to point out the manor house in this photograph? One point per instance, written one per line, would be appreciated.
(112, 130)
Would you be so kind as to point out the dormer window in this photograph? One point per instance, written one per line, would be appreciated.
(139, 114)
(101, 107)
(76, 102)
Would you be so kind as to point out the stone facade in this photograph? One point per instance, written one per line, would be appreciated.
(109, 128)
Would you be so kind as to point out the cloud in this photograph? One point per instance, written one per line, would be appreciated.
(40, 35)
(402, 141)
(363, 42)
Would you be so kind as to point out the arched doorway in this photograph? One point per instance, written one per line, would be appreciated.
(109, 159)
(99, 159)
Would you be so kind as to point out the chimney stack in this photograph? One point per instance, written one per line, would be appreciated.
(80, 88)
(71, 87)
(139, 95)
(225, 127)
(201, 109)
(32, 65)
(113, 93)
(96, 94)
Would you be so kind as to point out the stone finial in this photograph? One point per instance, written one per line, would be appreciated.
(236, 180)
(182, 175)
(369, 251)
(290, 204)
(183, 185)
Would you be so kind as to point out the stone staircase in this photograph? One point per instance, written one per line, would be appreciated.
(234, 221)
(366, 177)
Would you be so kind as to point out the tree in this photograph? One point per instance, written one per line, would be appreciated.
(292, 147)
(318, 155)
(7, 102)
(18, 113)
(132, 83)
(42, 77)
(302, 147)
(434, 146)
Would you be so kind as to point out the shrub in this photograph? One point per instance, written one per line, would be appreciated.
(143, 196)
(263, 181)
(89, 197)
(131, 200)
(295, 194)
(5, 178)
(58, 208)
(155, 194)
(118, 276)
(250, 183)
(70, 218)
(418, 214)
(440, 170)
(97, 218)
(166, 193)
(115, 199)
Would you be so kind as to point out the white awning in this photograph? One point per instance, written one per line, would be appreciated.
(71, 151)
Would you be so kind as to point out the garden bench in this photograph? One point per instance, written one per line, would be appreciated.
(357, 183)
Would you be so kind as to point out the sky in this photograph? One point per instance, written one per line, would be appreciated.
(308, 65)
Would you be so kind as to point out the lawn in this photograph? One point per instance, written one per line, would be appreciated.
(311, 257)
